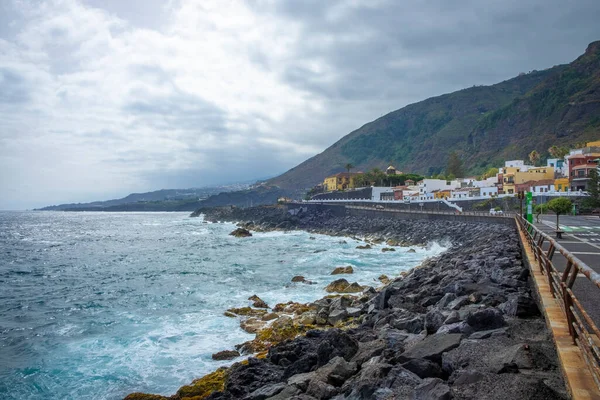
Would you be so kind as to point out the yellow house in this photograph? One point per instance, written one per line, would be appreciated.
(561, 184)
(593, 144)
(442, 194)
(341, 181)
(516, 175)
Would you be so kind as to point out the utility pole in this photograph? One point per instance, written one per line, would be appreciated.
(521, 197)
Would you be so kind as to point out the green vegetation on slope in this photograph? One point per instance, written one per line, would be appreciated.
(484, 125)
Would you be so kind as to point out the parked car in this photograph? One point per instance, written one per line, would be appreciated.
(494, 212)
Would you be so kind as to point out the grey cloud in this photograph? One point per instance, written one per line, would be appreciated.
(370, 60)
(227, 165)
(177, 111)
(14, 88)
(460, 43)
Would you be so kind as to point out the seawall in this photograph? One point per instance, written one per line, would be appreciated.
(392, 213)
(463, 325)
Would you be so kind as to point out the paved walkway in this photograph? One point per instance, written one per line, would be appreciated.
(581, 237)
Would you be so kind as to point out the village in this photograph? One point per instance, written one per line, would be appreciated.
(569, 175)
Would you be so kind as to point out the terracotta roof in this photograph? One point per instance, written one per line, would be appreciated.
(585, 166)
(541, 182)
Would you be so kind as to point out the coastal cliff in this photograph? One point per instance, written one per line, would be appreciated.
(463, 325)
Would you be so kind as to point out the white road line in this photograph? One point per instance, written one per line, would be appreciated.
(585, 252)
(586, 242)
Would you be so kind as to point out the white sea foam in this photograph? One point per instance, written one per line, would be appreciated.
(137, 304)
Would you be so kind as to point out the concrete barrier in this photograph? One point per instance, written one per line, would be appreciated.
(342, 210)
(430, 216)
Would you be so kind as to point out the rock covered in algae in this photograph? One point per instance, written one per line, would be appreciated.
(241, 232)
(343, 270)
(201, 388)
(343, 286)
(245, 312)
(258, 302)
(145, 396)
(225, 355)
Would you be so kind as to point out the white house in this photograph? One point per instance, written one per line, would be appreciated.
(558, 164)
(427, 186)
(489, 191)
(546, 186)
(514, 163)
(489, 182)
(379, 193)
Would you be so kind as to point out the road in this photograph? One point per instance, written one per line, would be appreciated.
(581, 238)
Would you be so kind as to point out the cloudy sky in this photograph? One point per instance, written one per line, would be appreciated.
(100, 98)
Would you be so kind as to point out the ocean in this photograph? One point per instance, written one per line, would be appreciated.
(99, 305)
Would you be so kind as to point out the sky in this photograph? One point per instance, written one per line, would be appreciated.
(101, 98)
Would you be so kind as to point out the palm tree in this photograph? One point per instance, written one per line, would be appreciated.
(534, 157)
(558, 152)
(348, 168)
(378, 176)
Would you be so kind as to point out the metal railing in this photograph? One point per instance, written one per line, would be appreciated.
(582, 328)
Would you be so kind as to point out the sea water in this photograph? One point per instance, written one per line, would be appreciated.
(99, 305)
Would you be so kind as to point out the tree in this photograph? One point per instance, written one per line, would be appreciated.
(560, 206)
(378, 176)
(593, 187)
(455, 165)
(558, 152)
(534, 157)
(490, 173)
(348, 168)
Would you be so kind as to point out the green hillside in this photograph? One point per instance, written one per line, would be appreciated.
(483, 124)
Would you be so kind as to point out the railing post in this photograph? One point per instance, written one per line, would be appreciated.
(568, 302)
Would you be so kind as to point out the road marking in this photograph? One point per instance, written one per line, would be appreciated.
(586, 242)
(585, 252)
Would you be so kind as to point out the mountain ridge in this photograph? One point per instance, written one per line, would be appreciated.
(483, 124)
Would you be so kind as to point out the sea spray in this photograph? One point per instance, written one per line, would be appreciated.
(97, 304)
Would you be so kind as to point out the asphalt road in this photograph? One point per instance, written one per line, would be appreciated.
(581, 237)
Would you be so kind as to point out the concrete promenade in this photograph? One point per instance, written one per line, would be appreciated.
(581, 237)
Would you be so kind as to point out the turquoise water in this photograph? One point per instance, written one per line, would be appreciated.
(98, 305)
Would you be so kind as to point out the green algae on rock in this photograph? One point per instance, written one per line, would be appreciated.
(241, 232)
(245, 312)
(202, 388)
(343, 270)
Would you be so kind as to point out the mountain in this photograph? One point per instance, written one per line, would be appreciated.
(158, 200)
(484, 125)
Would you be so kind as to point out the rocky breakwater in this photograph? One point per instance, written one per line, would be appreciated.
(394, 232)
(461, 326)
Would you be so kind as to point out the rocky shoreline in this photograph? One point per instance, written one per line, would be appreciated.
(461, 326)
